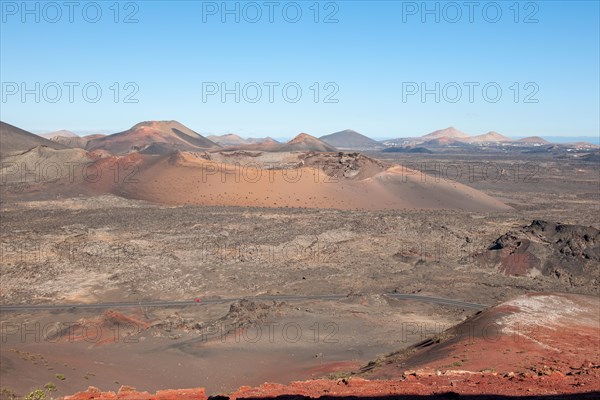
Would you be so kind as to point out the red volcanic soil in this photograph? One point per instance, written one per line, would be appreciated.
(547, 248)
(543, 346)
(188, 178)
(581, 384)
(172, 134)
(126, 393)
(106, 325)
(240, 178)
(531, 333)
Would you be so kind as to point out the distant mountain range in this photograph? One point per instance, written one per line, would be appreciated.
(168, 173)
(164, 136)
(452, 137)
(443, 138)
(231, 139)
(571, 139)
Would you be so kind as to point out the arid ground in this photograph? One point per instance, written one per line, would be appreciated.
(109, 249)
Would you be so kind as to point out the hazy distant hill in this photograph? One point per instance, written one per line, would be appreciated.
(349, 139)
(533, 140)
(262, 140)
(489, 137)
(229, 139)
(61, 133)
(450, 132)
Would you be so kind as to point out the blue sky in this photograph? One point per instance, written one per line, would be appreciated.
(373, 58)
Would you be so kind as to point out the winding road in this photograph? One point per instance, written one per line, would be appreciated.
(197, 301)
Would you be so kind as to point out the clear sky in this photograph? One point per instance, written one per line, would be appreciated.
(375, 58)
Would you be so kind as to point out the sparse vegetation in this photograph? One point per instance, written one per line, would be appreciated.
(339, 375)
(38, 394)
(8, 394)
(51, 387)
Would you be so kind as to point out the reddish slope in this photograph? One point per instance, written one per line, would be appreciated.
(482, 386)
(531, 335)
(187, 178)
(542, 346)
(171, 134)
(254, 179)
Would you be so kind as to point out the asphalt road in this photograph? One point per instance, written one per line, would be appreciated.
(199, 302)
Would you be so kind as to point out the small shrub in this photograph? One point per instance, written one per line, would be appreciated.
(37, 394)
(51, 387)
